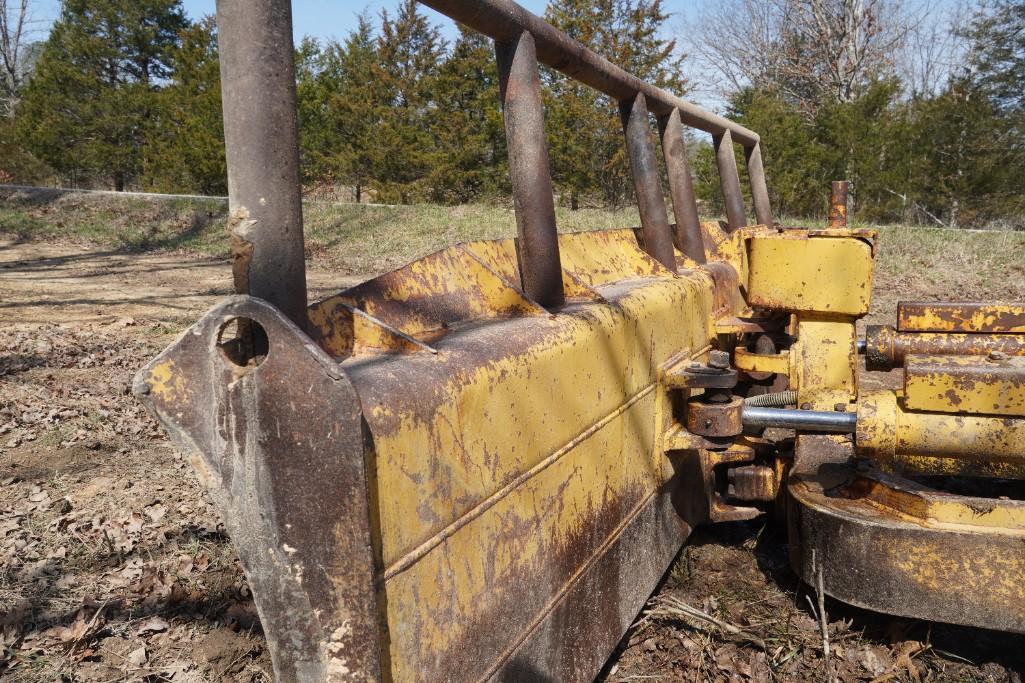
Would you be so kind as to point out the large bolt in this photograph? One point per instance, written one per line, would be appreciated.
(719, 360)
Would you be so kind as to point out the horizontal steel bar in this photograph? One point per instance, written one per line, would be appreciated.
(788, 418)
(504, 21)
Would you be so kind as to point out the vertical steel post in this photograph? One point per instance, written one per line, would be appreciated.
(729, 180)
(538, 253)
(658, 240)
(759, 191)
(687, 235)
(261, 139)
(838, 205)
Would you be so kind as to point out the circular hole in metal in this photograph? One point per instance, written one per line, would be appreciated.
(243, 342)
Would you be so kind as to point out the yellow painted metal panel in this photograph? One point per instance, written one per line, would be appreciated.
(546, 523)
(965, 384)
(887, 430)
(476, 479)
(823, 362)
(749, 361)
(606, 256)
(485, 425)
(790, 270)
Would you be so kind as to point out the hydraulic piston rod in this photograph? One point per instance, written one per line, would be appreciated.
(885, 429)
(789, 418)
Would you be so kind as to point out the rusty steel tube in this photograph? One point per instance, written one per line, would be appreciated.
(886, 348)
(759, 190)
(538, 243)
(504, 21)
(838, 204)
(729, 181)
(687, 235)
(658, 240)
(261, 140)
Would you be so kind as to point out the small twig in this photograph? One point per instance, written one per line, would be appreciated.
(670, 605)
(89, 626)
(811, 606)
(823, 619)
(65, 661)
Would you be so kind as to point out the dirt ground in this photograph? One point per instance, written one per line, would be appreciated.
(115, 566)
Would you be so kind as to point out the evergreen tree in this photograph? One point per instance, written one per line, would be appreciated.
(339, 109)
(409, 51)
(585, 132)
(16, 164)
(966, 164)
(865, 141)
(796, 160)
(312, 89)
(90, 104)
(186, 150)
(354, 109)
(998, 54)
(473, 162)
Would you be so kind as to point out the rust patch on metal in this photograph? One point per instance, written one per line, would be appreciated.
(966, 316)
(838, 205)
(985, 385)
(754, 482)
(715, 419)
(238, 226)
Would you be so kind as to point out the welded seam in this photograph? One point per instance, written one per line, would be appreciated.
(410, 558)
(568, 585)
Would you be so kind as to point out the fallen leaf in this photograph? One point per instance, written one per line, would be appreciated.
(137, 657)
(68, 634)
(152, 625)
(156, 512)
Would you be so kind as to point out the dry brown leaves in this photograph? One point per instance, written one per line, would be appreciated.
(113, 562)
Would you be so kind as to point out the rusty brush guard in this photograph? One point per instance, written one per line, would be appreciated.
(478, 466)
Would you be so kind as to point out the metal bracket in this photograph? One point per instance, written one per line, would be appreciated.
(279, 443)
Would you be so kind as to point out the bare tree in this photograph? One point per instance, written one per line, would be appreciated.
(936, 50)
(16, 28)
(811, 51)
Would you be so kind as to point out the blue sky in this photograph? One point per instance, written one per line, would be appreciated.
(326, 19)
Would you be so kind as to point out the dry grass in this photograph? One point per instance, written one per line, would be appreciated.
(367, 240)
